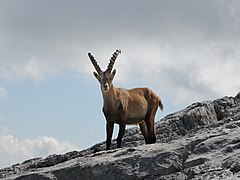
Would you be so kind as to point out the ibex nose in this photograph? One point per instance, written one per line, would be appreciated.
(105, 85)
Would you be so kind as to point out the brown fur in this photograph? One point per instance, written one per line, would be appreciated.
(123, 106)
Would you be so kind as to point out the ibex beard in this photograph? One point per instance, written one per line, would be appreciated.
(126, 106)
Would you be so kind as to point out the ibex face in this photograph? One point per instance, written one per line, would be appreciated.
(105, 78)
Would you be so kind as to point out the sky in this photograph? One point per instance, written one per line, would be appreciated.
(186, 51)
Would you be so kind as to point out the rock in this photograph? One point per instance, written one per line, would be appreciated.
(199, 142)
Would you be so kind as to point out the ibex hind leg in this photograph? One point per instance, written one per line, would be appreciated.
(151, 125)
(143, 128)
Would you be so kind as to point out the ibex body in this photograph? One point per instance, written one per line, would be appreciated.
(123, 106)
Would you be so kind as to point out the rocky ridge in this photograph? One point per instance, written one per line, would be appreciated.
(201, 141)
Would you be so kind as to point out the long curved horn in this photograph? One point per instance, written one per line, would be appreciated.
(95, 64)
(113, 59)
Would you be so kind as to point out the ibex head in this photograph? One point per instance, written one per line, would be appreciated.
(105, 77)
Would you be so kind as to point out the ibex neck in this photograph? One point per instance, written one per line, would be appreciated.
(109, 98)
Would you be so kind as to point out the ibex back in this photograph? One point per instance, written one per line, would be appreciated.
(123, 106)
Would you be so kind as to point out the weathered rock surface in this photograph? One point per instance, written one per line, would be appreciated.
(199, 142)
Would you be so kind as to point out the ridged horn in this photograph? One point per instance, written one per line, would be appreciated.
(95, 64)
(113, 59)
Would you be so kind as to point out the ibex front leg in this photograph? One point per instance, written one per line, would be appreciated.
(109, 128)
(121, 131)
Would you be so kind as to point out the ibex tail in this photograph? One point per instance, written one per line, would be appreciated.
(160, 104)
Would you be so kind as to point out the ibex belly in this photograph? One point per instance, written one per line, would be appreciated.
(136, 114)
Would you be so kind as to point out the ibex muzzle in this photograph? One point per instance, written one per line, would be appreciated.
(105, 87)
(123, 106)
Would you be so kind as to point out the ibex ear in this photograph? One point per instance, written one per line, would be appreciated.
(113, 74)
(96, 76)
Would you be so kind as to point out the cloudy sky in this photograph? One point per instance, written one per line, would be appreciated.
(186, 51)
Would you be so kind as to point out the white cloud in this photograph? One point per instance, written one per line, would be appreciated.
(31, 68)
(206, 70)
(13, 150)
(188, 50)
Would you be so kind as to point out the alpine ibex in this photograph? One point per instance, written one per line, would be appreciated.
(123, 106)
